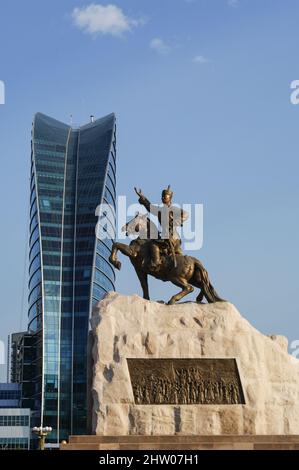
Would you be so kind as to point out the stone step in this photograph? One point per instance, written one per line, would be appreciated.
(80, 446)
(228, 442)
(186, 439)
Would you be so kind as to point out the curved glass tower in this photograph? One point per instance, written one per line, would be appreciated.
(72, 172)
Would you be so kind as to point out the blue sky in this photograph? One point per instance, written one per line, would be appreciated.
(201, 90)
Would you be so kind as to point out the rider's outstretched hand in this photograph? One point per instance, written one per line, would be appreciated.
(139, 192)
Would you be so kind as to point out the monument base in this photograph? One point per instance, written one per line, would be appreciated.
(190, 371)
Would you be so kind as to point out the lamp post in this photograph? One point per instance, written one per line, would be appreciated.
(41, 433)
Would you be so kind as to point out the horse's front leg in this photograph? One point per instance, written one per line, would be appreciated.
(124, 249)
(144, 283)
(113, 256)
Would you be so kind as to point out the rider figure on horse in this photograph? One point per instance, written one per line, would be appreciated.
(169, 217)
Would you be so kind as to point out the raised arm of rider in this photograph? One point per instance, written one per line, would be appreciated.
(145, 202)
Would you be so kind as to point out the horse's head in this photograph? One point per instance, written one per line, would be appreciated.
(137, 225)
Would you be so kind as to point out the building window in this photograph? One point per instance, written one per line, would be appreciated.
(46, 203)
(13, 443)
(14, 420)
(10, 395)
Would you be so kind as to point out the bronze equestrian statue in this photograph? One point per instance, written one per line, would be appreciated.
(160, 254)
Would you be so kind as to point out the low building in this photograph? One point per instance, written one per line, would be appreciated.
(14, 421)
(10, 395)
(14, 428)
(14, 357)
(23, 366)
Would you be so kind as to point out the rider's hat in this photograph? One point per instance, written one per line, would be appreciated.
(167, 191)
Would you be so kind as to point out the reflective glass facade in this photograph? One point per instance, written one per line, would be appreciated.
(72, 172)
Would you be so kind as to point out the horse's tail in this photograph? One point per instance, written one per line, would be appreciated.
(206, 286)
(211, 294)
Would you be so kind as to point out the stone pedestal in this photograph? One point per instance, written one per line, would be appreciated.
(128, 327)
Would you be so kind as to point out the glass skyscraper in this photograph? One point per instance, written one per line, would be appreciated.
(72, 172)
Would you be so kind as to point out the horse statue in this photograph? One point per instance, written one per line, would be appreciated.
(184, 272)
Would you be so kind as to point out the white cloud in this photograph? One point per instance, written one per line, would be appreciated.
(200, 59)
(103, 19)
(158, 45)
(233, 3)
